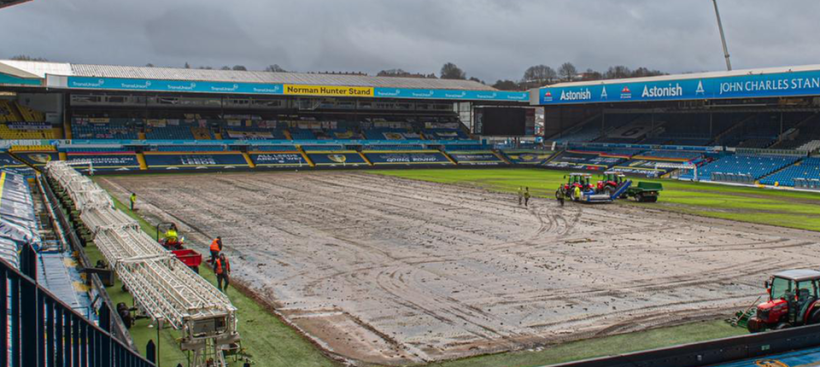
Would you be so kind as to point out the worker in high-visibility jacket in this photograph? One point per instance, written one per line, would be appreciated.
(216, 248)
(172, 237)
(222, 268)
(577, 193)
(133, 200)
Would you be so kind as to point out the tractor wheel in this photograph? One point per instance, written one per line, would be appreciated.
(195, 269)
(814, 319)
(639, 198)
(558, 194)
(782, 325)
(609, 191)
(653, 199)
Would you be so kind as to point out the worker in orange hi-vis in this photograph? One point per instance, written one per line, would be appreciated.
(216, 248)
(222, 268)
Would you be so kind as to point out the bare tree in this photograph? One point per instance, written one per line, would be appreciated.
(538, 75)
(275, 68)
(27, 58)
(618, 72)
(567, 71)
(506, 85)
(240, 68)
(590, 74)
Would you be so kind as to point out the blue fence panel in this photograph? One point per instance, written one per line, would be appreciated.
(337, 159)
(278, 159)
(194, 161)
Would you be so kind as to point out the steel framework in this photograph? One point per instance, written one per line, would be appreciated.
(163, 287)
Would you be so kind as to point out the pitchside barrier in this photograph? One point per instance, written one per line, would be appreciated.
(713, 352)
(340, 158)
(477, 158)
(278, 159)
(528, 157)
(194, 161)
(38, 159)
(413, 157)
(114, 161)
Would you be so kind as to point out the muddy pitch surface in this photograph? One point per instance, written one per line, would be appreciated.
(393, 271)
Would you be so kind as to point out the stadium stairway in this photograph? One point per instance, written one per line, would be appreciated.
(142, 162)
(141, 135)
(503, 157)
(16, 157)
(302, 152)
(248, 160)
(67, 129)
(369, 163)
(728, 131)
(218, 136)
(449, 158)
(289, 137)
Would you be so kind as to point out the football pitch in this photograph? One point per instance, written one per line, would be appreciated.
(372, 238)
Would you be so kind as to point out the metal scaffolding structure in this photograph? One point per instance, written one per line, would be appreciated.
(163, 287)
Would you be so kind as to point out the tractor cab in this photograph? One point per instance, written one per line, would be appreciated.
(610, 181)
(793, 296)
(579, 180)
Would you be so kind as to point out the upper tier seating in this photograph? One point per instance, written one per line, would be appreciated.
(751, 166)
(25, 130)
(808, 169)
(190, 148)
(180, 131)
(119, 129)
(445, 134)
(11, 111)
(671, 154)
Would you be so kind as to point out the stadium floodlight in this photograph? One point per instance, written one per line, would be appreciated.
(722, 37)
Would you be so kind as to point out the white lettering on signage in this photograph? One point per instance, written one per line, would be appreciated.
(661, 92)
(581, 95)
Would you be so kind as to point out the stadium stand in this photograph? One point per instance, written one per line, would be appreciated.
(744, 168)
(169, 129)
(805, 171)
(583, 161)
(190, 148)
(104, 128)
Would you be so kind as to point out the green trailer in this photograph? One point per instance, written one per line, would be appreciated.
(646, 192)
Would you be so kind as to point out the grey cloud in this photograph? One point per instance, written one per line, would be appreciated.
(490, 39)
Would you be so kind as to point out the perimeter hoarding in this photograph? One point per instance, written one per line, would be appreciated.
(154, 85)
(787, 84)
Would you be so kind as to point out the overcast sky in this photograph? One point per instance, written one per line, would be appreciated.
(489, 39)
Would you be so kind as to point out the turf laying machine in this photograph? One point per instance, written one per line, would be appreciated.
(579, 188)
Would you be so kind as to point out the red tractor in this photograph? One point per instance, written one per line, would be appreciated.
(793, 301)
(579, 180)
(609, 182)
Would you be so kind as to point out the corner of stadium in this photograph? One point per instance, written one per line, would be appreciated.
(387, 221)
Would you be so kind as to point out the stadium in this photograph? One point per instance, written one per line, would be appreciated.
(398, 221)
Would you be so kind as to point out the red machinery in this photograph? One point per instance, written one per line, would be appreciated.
(793, 301)
(581, 180)
(189, 257)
